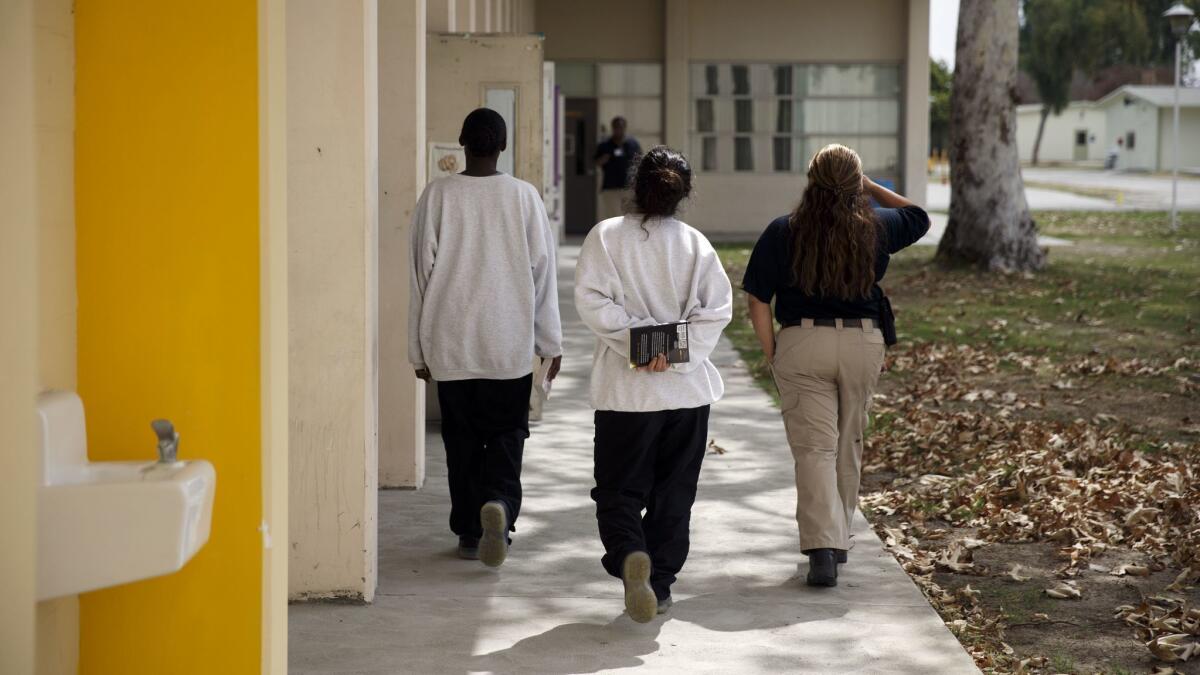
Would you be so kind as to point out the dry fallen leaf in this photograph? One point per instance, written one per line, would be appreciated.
(1064, 591)
(1016, 575)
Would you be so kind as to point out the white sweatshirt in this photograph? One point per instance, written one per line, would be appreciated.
(629, 276)
(484, 295)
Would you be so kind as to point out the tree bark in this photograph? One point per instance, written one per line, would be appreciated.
(990, 226)
(1037, 142)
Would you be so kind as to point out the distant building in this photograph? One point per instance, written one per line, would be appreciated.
(1075, 135)
(1142, 117)
(1139, 115)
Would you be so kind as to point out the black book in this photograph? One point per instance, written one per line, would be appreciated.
(647, 342)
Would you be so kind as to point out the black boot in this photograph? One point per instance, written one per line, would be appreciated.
(822, 567)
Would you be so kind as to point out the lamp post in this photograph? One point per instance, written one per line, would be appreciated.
(1180, 18)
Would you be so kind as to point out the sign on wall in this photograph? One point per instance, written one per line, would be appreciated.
(445, 159)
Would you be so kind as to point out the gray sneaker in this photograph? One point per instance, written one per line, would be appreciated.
(664, 605)
(639, 597)
(493, 547)
(468, 548)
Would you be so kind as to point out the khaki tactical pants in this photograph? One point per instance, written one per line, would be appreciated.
(826, 376)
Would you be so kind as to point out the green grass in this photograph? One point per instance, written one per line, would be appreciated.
(1128, 287)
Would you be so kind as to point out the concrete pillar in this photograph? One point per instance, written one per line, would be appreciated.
(18, 334)
(401, 179)
(332, 87)
(464, 15)
(916, 102)
(439, 15)
(675, 75)
(489, 16)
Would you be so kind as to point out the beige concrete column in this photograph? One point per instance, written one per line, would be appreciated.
(332, 236)
(464, 15)
(675, 75)
(401, 178)
(439, 15)
(916, 102)
(18, 334)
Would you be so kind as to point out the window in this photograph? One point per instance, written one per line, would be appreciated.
(1080, 138)
(1130, 138)
(629, 90)
(743, 154)
(783, 113)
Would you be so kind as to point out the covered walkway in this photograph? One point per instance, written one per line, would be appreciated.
(741, 605)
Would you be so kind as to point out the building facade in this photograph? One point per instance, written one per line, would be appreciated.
(749, 91)
(1075, 136)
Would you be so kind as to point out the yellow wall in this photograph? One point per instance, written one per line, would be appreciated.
(167, 242)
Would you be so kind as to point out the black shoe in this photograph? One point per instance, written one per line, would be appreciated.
(493, 547)
(468, 548)
(639, 597)
(822, 567)
(842, 556)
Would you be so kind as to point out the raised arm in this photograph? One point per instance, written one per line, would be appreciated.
(710, 312)
(598, 296)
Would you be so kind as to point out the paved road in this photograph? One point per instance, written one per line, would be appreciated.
(1138, 192)
(551, 609)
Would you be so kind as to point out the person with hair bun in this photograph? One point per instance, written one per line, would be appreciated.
(641, 269)
(483, 303)
(822, 266)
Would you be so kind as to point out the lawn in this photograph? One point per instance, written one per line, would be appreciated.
(1038, 436)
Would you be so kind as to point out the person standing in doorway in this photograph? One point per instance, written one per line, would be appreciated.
(484, 302)
(822, 266)
(615, 157)
(643, 269)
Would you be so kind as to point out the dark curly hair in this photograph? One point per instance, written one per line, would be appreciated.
(663, 178)
(834, 229)
(483, 133)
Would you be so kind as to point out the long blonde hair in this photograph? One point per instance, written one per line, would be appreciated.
(834, 230)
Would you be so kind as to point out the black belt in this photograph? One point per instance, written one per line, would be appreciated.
(832, 323)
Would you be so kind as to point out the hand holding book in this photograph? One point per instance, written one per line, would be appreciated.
(656, 347)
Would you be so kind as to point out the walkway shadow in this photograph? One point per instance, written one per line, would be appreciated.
(577, 648)
(752, 609)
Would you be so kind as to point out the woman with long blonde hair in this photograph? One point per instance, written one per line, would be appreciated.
(822, 266)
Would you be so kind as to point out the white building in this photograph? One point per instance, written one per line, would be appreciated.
(1077, 134)
(1139, 115)
(1142, 117)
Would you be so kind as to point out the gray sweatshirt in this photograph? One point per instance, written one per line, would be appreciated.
(629, 276)
(484, 295)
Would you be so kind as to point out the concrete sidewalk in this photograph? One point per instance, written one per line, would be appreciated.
(740, 606)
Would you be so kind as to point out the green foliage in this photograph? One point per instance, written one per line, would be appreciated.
(940, 78)
(1050, 47)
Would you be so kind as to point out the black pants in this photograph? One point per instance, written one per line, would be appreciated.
(484, 427)
(648, 461)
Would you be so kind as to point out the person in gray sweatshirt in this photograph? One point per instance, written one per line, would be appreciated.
(484, 302)
(643, 269)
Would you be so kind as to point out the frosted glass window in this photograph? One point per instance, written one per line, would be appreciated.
(704, 115)
(708, 154)
(783, 80)
(782, 151)
(576, 79)
(743, 109)
(741, 80)
(769, 118)
(630, 79)
(743, 153)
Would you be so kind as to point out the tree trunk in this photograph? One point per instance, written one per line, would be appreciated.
(1037, 142)
(990, 226)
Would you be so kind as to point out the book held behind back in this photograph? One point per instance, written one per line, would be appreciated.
(647, 342)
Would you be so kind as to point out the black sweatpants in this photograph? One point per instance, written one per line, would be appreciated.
(484, 427)
(650, 461)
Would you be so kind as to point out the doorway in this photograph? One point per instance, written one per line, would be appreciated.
(1081, 145)
(579, 138)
